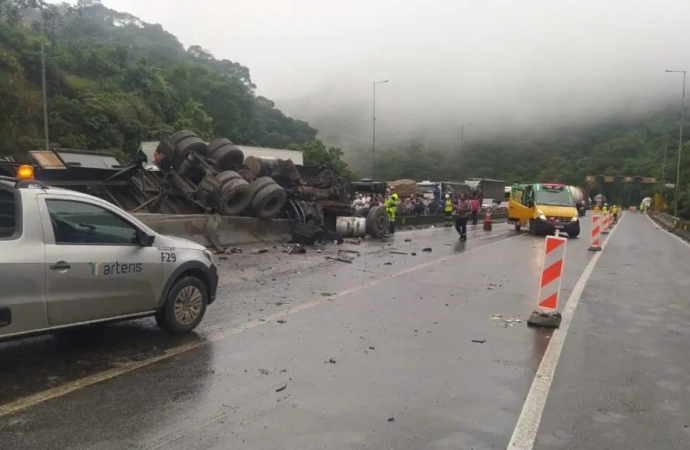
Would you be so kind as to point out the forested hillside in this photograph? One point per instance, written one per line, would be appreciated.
(113, 81)
(615, 147)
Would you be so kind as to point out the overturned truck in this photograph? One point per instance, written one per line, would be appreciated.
(182, 174)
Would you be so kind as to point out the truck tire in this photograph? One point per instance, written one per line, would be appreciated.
(184, 306)
(226, 154)
(268, 202)
(234, 198)
(260, 183)
(185, 146)
(226, 176)
(377, 221)
(166, 146)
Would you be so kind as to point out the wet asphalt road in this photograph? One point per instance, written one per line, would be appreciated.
(375, 354)
(623, 381)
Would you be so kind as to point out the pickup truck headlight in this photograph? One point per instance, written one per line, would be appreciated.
(541, 215)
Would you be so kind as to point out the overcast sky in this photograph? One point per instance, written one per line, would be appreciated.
(448, 61)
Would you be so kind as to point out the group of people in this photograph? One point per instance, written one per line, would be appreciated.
(462, 208)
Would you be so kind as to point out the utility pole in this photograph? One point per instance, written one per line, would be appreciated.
(680, 141)
(373, 134)
(462, 134)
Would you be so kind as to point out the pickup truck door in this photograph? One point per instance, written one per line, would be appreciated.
(95, 267)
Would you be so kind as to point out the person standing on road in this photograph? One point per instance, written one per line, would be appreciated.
(391, 208)
(475, 209)
(614, 210)
(448, 210)
(463, 208)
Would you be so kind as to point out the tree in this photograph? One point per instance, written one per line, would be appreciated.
(114, 81)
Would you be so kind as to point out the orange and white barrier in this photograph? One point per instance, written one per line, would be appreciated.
(595, 234)
(605, 221)
(552, 271)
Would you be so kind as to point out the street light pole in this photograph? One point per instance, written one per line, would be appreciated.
(373, 133)
(462, 133)
(663, 168)
(43, 79)
(680, 140)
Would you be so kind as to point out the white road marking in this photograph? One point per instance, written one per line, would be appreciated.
(527, 425)
(59, 391)
(668, 232)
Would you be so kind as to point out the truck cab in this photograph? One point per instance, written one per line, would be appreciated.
(543, 209)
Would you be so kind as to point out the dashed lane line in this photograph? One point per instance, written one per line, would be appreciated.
(59, 391)
(525, 432)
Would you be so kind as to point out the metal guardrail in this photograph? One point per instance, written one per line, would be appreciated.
(675, 225)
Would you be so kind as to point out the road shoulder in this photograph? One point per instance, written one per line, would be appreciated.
(623, 380)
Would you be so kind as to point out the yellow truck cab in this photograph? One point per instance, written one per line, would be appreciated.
(543, 209)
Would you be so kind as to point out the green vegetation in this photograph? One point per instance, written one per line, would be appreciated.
(114, 81)
(615, 147)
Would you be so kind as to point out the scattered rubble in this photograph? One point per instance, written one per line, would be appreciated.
(426, 249)
(546, 319)
(478, 341)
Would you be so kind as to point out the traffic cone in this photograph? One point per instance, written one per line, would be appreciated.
(487, 221)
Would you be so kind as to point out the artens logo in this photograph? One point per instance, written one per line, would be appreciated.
(116, 268)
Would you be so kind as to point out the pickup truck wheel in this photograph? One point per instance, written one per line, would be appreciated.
(573, 234)
(518, 227)
(185, 306)
(532, 227)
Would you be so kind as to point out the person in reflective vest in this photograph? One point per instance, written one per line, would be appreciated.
(391, 208)
(614, 210)
(448, 210)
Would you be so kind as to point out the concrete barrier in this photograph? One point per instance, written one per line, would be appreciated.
(219, 231)
(420, 221)
(224, 231)
(675, 225)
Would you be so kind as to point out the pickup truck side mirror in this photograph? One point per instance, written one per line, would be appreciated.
(144, 239)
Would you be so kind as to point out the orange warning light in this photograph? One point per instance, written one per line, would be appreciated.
(25, 172)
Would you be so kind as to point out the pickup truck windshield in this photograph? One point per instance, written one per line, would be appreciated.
(8, 220)
(556, 197)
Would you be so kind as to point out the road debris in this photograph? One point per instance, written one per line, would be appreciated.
(397, 253)
(391, 419)
(478, 341)
(297, 250)
(330, 361)
(408, 240)
(353, 241)
(341, 259)
(413, 254)
(281, 321)
(388, 263)
(282, 388)
(506, 322)
(264, 371)
(426, 249)
(258, 251)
